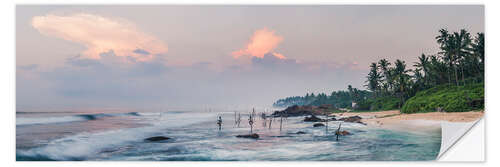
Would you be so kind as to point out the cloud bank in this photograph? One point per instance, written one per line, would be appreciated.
(101, 34)
(263, 41)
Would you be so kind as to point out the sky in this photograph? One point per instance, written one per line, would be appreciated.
(229, 57)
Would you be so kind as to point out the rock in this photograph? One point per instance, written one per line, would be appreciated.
(252, 136)
(300, 132)
(318, 125)
(296, 110)
(343, 133)
(326, 106)
(355, 119)
(156, 138)
(312, 118)
(283, 136)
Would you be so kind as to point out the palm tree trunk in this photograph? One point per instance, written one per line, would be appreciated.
(449, 76)
(463, 76)
(456, 75)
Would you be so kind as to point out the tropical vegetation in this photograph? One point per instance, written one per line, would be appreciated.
(453, 78)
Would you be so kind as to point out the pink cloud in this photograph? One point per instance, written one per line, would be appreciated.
(262, 41)
(101, 34)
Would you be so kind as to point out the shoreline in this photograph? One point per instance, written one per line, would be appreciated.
(416, 122)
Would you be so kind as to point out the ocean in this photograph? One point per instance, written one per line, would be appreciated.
(194, 136)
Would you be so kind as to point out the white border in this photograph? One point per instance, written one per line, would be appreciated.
(7, 84)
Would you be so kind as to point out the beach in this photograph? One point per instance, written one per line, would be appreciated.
(395, 120)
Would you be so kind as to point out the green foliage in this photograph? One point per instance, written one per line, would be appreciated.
(452, 79)
(338, 99)
(379, 104)
(385, 103)
(449, 98)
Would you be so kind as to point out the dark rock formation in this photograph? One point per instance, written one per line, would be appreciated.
(296, 110)
(300, 132)
(351, 119)
(318, 125)
(326, 106)
(156, 138)
(354, 119)
(343, 133)
(252, 136)
(313, 118)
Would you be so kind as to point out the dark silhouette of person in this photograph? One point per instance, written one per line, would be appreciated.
(219, 122)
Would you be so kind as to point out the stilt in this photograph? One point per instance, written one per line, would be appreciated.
(326, 127)
(338, 132)
(270, 122)
(239, 119)
(281, 122)
(235, 119)
(250, 122)
(219, 122)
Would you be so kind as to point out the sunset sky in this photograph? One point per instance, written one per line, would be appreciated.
(196, 57)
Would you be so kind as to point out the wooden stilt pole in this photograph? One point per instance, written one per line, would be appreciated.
(338, 132)
(281, 122)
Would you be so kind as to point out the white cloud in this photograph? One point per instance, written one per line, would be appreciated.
(101, 34)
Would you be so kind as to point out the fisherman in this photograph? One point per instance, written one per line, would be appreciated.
(239, 119)
(219, 122)
(250, 122)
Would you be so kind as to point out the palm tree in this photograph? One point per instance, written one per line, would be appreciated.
(419, 81)
(423, 64)
(373, 79)
(446, 45)
(462, 49)
(454, 47)
(440, 70)
(477, 49)
(384, 67)
(402, 79)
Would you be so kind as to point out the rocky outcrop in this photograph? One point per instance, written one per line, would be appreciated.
(343, 132)
(326, 106)
(318, 125)
(313, 118)
(156, 138)
(251, 136)
(294, 111)
(300, 132)
(305, 110)
(354, 119)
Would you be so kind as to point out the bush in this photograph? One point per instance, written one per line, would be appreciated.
(449, 98)
(380, 103)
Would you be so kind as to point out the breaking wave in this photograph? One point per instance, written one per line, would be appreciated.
(65, 119)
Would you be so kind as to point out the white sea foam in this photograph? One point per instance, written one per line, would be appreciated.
(48, 120)
(85, 145)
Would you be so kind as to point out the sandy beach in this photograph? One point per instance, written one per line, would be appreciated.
(393, 119)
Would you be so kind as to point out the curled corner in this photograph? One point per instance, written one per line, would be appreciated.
(452, 132)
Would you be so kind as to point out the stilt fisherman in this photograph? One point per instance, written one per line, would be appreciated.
(219, 122)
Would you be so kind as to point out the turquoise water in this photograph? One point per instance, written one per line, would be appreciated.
(195, 137)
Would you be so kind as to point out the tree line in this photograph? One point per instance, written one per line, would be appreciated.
(338, 99)
(459, 61)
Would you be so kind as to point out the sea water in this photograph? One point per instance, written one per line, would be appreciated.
(195, 137)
